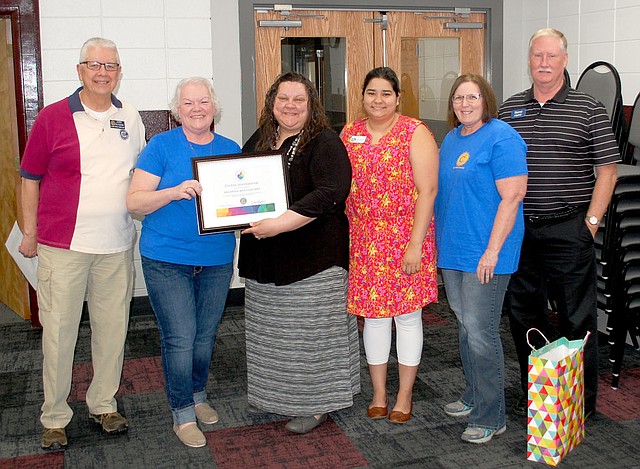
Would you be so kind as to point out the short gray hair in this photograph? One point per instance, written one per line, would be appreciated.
(98, 42)
(549, 32)
(175, 102)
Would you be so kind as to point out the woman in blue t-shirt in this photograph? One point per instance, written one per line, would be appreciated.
(479, 228)
(187, 275)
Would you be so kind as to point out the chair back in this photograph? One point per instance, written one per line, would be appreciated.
(633, 141)
(602, 81)
(567, 77)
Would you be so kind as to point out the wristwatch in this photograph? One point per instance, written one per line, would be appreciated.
(592, 220)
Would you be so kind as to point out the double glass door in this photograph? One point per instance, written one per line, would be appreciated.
(336, 48)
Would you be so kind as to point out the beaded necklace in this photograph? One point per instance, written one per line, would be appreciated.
(291, 152)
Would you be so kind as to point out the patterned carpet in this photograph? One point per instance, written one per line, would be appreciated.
(242, 440)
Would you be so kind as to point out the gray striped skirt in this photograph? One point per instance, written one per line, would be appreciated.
(303, 353)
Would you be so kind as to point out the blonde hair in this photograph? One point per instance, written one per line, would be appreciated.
(549, 32)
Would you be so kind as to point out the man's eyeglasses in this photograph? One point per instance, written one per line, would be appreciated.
(95, 65)
(471, 98)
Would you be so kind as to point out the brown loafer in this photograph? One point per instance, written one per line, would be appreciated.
(206, 414)
(378, 412)
(395, 416)
(190, 435)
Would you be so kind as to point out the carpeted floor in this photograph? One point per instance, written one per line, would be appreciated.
(242, 440)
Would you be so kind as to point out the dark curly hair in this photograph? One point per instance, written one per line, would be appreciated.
(316, 123)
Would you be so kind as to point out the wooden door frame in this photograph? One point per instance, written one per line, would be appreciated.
(493, 39)
(24, 16)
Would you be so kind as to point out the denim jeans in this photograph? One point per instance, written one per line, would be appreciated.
(478, 308)
(188, 302)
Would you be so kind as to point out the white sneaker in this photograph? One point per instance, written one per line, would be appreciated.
(457, 409)
(481, 435)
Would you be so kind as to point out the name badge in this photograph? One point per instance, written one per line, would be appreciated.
(518, 113)
(358, 139)
(116, 124)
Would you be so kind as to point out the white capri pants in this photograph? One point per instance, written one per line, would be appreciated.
(377, 339)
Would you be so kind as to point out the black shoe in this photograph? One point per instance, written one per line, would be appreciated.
(521, 408)
(588, 413)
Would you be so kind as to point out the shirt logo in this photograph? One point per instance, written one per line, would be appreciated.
(462, 160)
(518, 113)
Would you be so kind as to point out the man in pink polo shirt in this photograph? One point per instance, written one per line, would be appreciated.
(75, 173)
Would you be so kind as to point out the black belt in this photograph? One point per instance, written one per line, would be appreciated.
(565, 214)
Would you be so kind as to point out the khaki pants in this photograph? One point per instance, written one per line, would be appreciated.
(63, 279)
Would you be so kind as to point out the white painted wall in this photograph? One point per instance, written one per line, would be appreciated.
(160, 42)
(163, 41)
(595, 29)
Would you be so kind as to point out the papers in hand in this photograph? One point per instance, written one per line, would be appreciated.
(28, 265)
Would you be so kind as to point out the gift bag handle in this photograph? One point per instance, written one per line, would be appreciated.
(584, 341)
(539, 332)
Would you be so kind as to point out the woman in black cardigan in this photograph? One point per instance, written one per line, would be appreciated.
(302, 346)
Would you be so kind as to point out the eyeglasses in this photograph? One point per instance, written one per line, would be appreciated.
(471, 98)
(95, 65)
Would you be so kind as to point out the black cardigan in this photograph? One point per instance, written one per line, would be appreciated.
(320, 178)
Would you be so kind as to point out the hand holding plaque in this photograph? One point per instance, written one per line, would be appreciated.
(239, 189)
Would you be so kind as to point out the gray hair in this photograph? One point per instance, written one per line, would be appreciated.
(175, 102)
(549, 32)
(98, 42)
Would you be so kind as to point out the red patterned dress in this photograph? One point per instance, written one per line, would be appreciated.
(380, 208)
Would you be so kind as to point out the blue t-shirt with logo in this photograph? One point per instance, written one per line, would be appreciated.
(170, 234)
(468, 199)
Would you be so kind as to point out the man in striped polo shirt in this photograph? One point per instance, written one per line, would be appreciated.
(572, 173)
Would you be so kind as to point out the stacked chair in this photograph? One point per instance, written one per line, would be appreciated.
(631, 152)
(602, 81)
(618, 239)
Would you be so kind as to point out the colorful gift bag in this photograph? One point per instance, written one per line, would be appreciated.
(555, 422)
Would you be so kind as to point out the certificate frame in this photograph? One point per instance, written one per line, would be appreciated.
(239, 189)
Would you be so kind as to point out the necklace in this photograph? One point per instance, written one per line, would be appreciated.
(291, 152)
(195, 153)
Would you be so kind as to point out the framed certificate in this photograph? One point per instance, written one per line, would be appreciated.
(239, 189)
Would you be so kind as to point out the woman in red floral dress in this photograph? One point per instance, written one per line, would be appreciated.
(392, 268)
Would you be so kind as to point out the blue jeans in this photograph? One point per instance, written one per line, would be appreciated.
(478, 308)
(188, 302)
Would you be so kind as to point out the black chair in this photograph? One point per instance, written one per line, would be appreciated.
(602, 81)
(617, 245)
(567, 77)
(626, 311)
(631, 152)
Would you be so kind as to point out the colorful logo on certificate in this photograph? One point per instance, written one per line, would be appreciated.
(245, 210)
(240, 175)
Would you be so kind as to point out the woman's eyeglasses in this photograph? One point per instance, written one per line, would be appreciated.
(471, 98)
